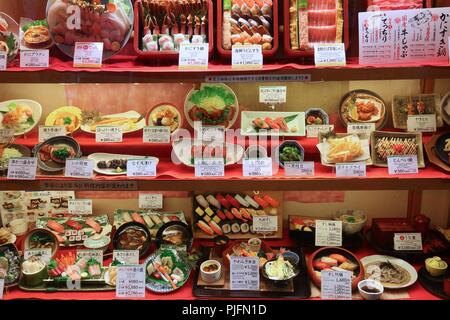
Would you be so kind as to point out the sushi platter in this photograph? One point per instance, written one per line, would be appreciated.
(296, 287)
(232, 214)
(273, 123)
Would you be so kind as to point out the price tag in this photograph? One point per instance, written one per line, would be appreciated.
(2, 288)
(126, 256)
(89, 254)
(130, 281)
(156, 135)
(193, 56)
(209, 167)
(22, 168)
(265, 223)
(312, 131)
(407, 241)
(421, 123)
(329, 54)
(272, 94)
(261, 167)
(88, 55)
(244, 273)
(6, 135)
(80, 206)
(328, 233)
(246, 57)
(336, 285)
(141, 167)
(365, 128)
(299, 169)
(403, 165)
(3, 60)
(34, 58)
(44, 253)
(47, 132)
(211, 133)
(357, 169)
(150, 200)
(79, 168)
(108, 134)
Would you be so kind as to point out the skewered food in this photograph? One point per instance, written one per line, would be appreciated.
(392, 146)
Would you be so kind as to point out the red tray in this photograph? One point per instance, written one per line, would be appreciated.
(166, 55)
(266, 53)
(289, 53)
(426, 3)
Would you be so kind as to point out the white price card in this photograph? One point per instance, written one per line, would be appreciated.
(3, 60)
(246, 57)
(79, 168)
(108, 134)
(158, 134)
(44, 253)
(126, 256)
(328, 233)
(403, 165)
(88, 55)
(329, 54)
(47, 132)
(193, 56)
(351, 169)
(22, 168)
(336, 285)
(34, 58)
(407, 241)
(209, 167)
(260, 167)
(265, 223)
(299, 169)
(365, 128)
(272, 94)
(91, 254)
(80, 206)
(130, 281)
(244, 273)
(312, 131)
(141, 167)
(209, 133)
(150, 200)
(421, 123)
(2, 288)
(6, 135)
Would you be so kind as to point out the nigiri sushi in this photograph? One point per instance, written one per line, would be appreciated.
(245, 214)
(224, 202)
(329, 261)
(126, 217)
(241, 201)
(165, 219)
(233, 201)
(215, 227)
(339, 257)
(205, 227)
(221, 215)
(156, 219)
(260, 123)
(148, 221)
(137, 218)
(209, 212)
(229, 215)
(236, 213)
(274, 203)
(199, 211)
(252, 202)
(202, 201)
(263, 203)
(213, 201)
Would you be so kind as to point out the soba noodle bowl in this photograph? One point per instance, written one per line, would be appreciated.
(388, 274)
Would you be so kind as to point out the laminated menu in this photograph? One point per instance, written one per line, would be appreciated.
(404, 36)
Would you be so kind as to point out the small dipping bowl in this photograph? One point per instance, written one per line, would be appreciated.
(254, 244)
(370, 289)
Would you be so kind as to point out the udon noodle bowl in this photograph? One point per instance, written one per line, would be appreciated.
(109, 22)
(390, 275)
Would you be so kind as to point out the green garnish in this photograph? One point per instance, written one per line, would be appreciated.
(34, 23)
(213, 96)
(67, 120)
(62, 154)
(290, 118)
(10, 42)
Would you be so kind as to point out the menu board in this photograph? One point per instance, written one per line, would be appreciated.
(404, 36)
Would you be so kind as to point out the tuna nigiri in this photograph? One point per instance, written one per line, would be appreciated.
(263, 203)
(223, 201)
(229, 215)
(221, 215)
(274, 203)
(74, 224)
(233, 201)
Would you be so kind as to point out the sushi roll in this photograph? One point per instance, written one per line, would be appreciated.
(229, 215)
(221, 215)
(148, 221)
(215, 227)
(156, 219)
(226, 228)
(245, 214)
(209, 212)
(251, 202)
(233, 201)
(241, 201)
(213, 201)
(166, 219)
(263, 203)
(235, 228)
(223, 201)
(245, 228)
(236, 213)
(251, 229)
(202, 201)
(199, 211)
(126, 217)
(205, 227)
(273, 203)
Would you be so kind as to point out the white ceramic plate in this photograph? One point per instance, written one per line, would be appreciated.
(296, 126)
(35, 107)
(188, 105)
(126, 129)
(396, 262)
(182, 150)
(111, 156)
(324, 149)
